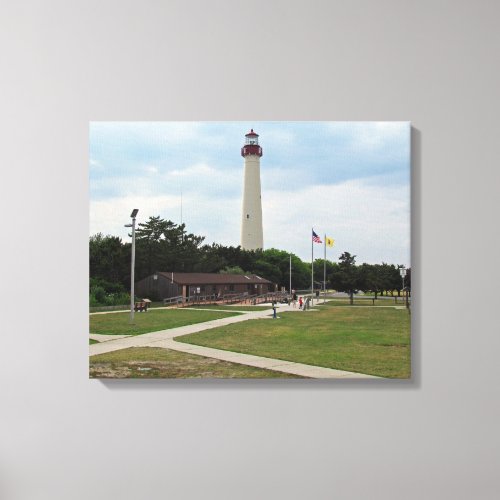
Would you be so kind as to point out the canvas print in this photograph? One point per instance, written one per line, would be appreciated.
(249, 250)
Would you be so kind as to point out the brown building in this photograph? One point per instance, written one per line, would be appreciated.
(163, 285)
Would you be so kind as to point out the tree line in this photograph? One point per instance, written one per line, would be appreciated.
(162, 245)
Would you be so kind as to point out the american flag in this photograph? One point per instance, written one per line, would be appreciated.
(316, 238)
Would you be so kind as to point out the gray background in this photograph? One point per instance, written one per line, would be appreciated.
(65, 63)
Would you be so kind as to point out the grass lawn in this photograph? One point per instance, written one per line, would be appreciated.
(92, 341)
(236, 307)
(154, 362)
(363, 302)
(374, 341)
(152, 321)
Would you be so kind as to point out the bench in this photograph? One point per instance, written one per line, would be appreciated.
(141, 306)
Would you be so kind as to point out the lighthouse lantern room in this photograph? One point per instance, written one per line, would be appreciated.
(251, 146)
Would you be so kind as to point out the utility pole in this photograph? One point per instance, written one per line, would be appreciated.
(132, 269)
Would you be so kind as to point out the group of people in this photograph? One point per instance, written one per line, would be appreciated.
(302, 305)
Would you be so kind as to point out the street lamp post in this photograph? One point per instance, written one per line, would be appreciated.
(402, 271)
(132, 269)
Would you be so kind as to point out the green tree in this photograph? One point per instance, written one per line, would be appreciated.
(279, 260)
(232, 270)
(301, 273)
(368, 278)
(211, 260)
(408, 280)
(389, 278)
(109, 259)
(274, 265)
(266, 270)
(319, 267)
(163, 245)
(153, 245)
(345, 277)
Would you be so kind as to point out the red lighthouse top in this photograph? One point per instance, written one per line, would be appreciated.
(251, 146)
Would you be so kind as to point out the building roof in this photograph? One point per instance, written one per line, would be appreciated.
(214, 278)
(252, 134)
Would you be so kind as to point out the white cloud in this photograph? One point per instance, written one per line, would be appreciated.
(216, 219)
(280, 136)
(375, 135)
(194, 171)
(372, 222)
(153, 181)
(369, 221)
(150, 169)
(109, 216)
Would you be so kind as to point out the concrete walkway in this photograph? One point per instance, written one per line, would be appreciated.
(100, 337)
(149, 339)
(279, 365)
(165, 339)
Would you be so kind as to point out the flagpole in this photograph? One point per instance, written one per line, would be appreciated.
(312, 266)
(290, 289)
(324, 273)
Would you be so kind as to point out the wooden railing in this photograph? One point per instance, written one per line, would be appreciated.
(227, 298)
(172, 300)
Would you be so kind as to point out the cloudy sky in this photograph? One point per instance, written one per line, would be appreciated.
(348, 180)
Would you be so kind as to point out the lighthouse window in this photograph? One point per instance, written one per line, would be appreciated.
(251, 140)
(248, 216)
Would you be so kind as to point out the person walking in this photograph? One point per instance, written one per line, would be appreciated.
(300, 302)
(306, 304)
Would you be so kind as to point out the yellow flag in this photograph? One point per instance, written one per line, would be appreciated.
(330, 241)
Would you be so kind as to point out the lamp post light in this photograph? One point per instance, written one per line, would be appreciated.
(402, 272)
(132, 269)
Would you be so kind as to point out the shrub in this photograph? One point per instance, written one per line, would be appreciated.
(98, 293)
(105, 293)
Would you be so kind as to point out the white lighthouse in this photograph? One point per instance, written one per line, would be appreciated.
(251, 216)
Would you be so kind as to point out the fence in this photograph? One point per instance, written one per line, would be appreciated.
(226, 299)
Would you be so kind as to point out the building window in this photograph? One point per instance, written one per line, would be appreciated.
(231, 288)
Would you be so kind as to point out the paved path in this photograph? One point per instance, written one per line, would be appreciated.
(106, 338)
(151, 338)
(260, 362)
(165, 339)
